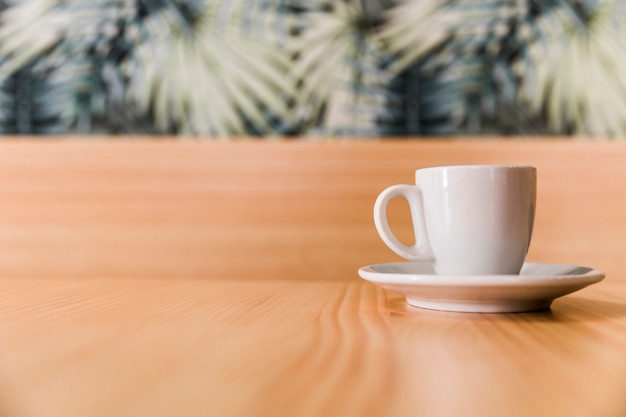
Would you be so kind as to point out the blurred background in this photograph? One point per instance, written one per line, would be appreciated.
(307, 68)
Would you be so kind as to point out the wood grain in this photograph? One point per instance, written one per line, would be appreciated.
(275, 209)
(156, 278)
(188, 347)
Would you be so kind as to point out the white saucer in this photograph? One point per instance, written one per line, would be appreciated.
(534, 289)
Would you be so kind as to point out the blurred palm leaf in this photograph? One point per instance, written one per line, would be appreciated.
(510, 66)
(36, 102)
(356, 67)
(206, 78)
(47, 72)
(575, 69)
(343, 79)
(166, 58)
(454, 63)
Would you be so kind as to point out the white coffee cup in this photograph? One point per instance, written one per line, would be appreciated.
(467, 219)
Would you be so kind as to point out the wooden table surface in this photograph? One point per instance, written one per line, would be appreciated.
(193, 279)
(107, 347)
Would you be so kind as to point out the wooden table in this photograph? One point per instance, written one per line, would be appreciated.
(193, 279)
(110, 347)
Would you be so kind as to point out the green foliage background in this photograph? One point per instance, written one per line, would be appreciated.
(313, 68)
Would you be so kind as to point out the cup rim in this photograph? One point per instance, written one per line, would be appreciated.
(478, 167)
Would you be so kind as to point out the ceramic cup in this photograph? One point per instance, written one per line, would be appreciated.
(467, 219)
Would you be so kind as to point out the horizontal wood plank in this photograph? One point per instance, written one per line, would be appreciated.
(272, 209)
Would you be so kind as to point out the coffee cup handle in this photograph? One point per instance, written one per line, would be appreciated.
(421, 250)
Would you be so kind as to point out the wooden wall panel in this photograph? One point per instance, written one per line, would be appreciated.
(292, 210)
